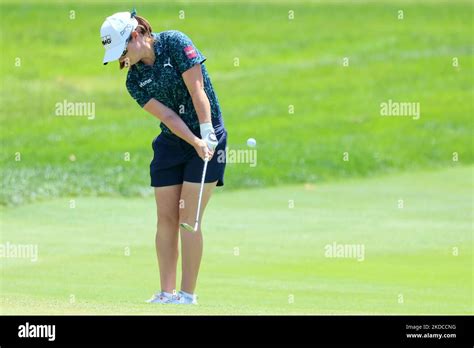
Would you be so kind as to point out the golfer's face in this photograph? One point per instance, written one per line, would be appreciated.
(130, 53)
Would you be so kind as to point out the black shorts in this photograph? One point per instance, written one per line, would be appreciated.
(175, 161)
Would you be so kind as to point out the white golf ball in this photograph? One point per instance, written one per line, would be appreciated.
(251, 142)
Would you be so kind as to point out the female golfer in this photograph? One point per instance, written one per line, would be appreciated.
(168, 79)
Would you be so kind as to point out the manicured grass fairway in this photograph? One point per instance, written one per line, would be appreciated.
(408, 251)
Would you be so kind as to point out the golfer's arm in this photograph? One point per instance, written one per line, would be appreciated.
(171, 120)
(195, 84)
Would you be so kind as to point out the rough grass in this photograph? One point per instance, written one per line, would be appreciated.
(282, 62)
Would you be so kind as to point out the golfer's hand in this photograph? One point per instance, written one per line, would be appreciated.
(211, 141)
(203, 149)
(209, 135)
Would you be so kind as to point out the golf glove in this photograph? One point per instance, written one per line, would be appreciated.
(208, 135)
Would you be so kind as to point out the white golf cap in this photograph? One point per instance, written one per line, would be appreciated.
(114, 33)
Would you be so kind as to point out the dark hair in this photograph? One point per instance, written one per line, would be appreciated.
(143, 28)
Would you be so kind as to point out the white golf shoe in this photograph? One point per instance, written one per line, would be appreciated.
(184, 298)
(162, 297)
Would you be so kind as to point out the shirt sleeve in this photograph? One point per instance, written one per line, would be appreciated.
(183, 51)
(137, 93)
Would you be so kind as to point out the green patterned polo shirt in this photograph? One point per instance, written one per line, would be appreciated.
(175, 53)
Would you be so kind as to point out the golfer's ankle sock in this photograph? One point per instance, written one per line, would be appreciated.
(167, 294)
(187, 294)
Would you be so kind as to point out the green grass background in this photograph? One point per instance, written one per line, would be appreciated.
(283, 62)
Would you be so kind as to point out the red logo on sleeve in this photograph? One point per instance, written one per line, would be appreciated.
(190, 52)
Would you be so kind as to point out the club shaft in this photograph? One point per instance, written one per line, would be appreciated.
(200, 193)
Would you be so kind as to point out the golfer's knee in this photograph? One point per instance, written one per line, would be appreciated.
(184, 213)
(187, 217)
(168, 220)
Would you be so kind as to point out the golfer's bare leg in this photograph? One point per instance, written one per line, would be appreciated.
(167, 236)
(191, 242)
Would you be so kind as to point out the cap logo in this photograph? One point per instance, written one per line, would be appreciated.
(106, 40)
(128, 26)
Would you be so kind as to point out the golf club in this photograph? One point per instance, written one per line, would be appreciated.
(186, 226)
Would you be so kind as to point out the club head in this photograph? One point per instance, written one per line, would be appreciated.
(187, 227)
